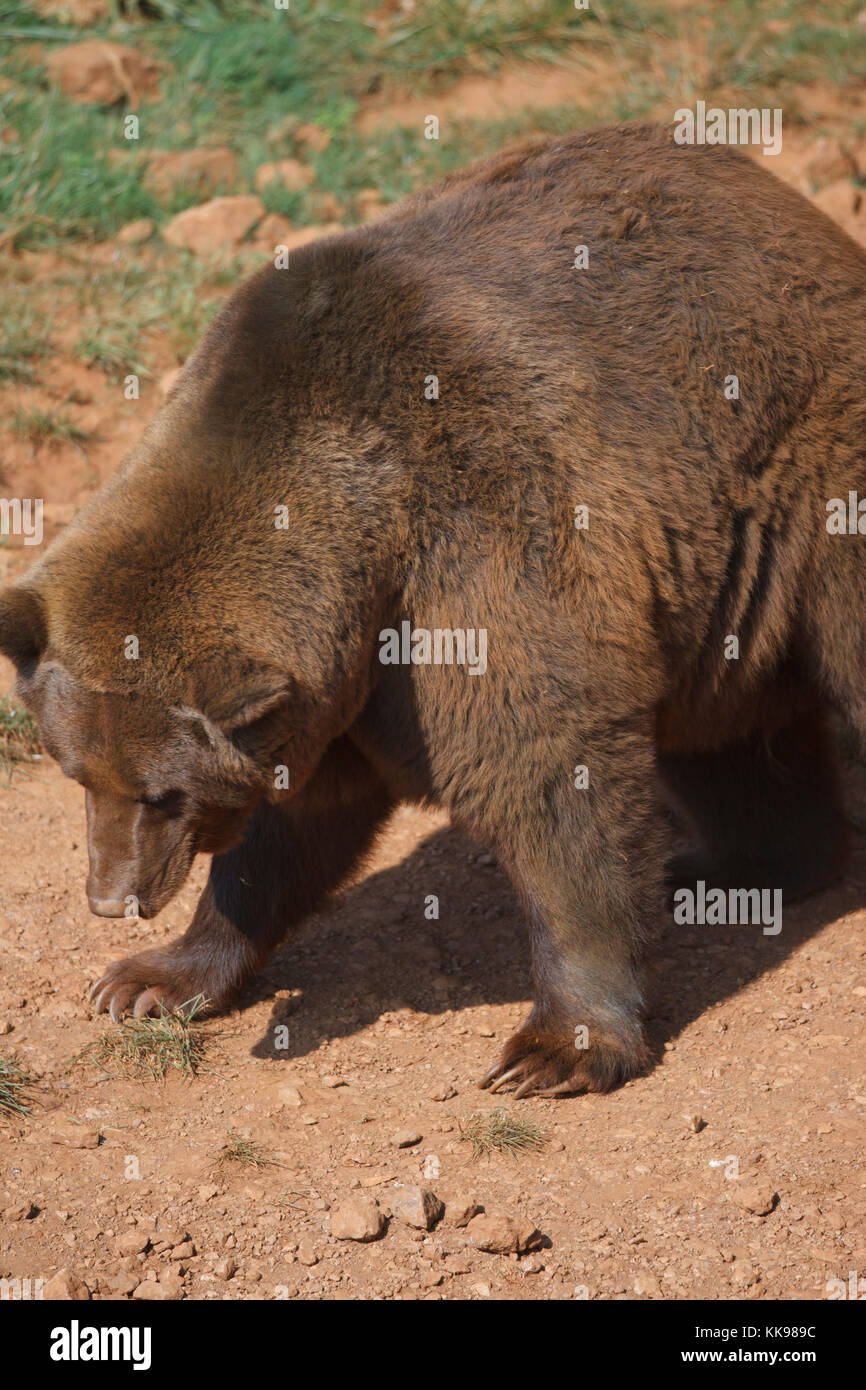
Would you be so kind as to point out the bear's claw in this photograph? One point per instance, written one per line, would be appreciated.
(121, 991)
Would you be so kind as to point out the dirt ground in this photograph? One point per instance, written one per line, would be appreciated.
(391, 1018)
(733, 1170)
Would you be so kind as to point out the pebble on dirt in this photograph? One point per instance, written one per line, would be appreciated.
(460, 1209)
(100, 73)
(407, 1138)
(500, 1234)
(66, 1287)
(217, 225)
(357, 1218)
(759, 1201)
(418, 1207)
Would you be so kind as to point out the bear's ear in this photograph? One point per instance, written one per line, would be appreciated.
(237, 708)
(23, 629)
(234, 692)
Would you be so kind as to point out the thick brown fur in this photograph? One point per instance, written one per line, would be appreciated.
(559, 387)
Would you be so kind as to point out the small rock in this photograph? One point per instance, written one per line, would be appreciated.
(170, 1235)
(103, 73)
(149, 1291)
(225, 1268)
(123, 1282)
(291, 173)
(307, 1254)
(135, 232)
(357, 1218)
(500, 1234)
(328, 207)
(207, 1191)
(217, 225)
(66, 1287)
(133, 1242)
(19, 1210)
(460, 1210)
(760, 1201)
(418, 1207)
(201, 172)
(275, 230)
(406, 1138)
(332, 1082)
(695, 1123)
(377, 1178)
(185, 1251)
(170, 1279)
(312, 137)
(443, 1093)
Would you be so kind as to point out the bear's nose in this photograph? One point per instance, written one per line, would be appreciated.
(107, 907)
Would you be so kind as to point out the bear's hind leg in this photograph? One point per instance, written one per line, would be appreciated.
(767, 811)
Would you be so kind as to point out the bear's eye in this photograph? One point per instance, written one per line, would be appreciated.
(169, 803)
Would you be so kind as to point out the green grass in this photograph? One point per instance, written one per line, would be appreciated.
(241, 1149)
(244, 74)
(126, 310)
(114, 351)
(237, 70)
(19, 736)
(43, 425)
(501, 1131)
(20, 343)
(16, 1084)
(147, 1049)
(285, 1197)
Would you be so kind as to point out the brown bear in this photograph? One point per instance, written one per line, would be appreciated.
(590, 400)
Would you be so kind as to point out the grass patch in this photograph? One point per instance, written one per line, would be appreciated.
(238, 1148)
(115, 353)
(19, 736)
(19, 344)
(285, 1198)
(147, 1049)
(235, 71)
(16, 1084)
(129, 313)
(501, 1130)
(42, 425)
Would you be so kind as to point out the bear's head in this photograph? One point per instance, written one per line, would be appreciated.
(167, 772)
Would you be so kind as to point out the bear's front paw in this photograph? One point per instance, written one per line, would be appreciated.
(544, 1061)
(141, 984)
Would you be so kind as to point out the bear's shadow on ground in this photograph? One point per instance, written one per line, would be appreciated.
(373, 951)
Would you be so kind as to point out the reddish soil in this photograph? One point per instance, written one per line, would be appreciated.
(759, 1036)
